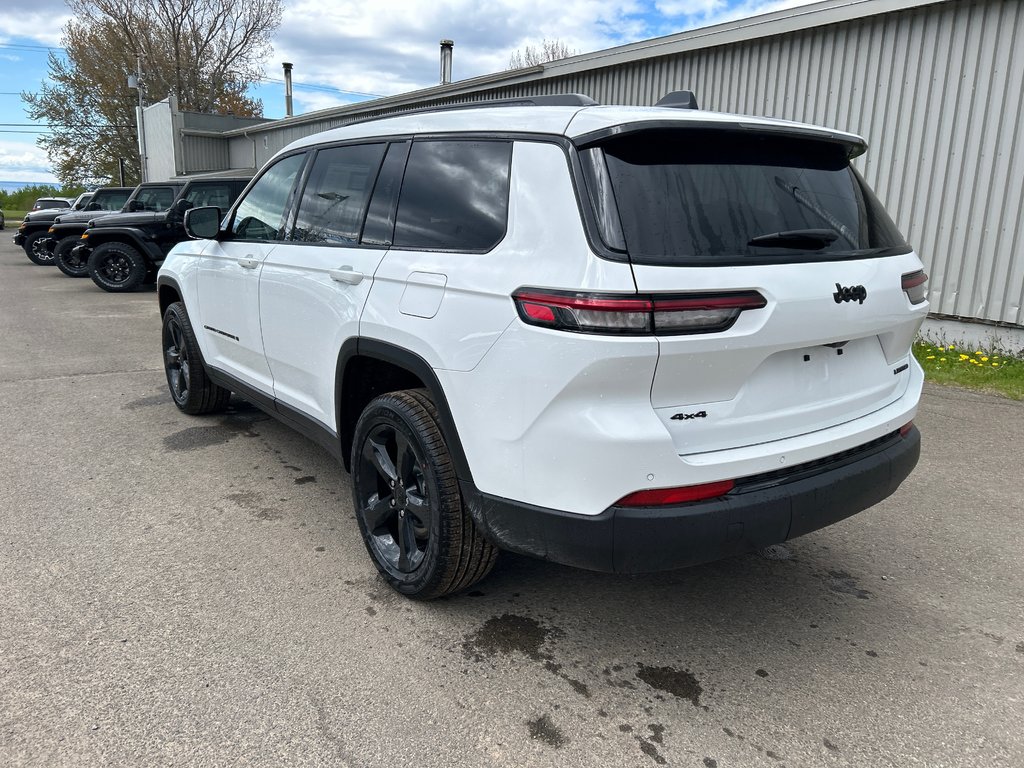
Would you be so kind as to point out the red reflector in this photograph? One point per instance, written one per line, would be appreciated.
(539, 312)
(659, 497)
(905, 429)
(914, 279)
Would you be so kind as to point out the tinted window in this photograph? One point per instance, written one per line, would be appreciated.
(221, 194)
(336, 194)
(155, 198)
(691, 196)
(455, 195)
(110, 201)
(261, 213)
(380, 219)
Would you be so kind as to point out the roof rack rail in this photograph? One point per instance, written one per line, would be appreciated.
(549, 100)
(678, 100)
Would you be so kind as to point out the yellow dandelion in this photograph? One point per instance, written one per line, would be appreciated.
(942, 359)
(964, 357)
(951, 347)
(995, 365)
(984, 359)
(930, 357)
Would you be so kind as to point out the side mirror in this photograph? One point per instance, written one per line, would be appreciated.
(92, 207)
(133, 206)
(203, 223)
(181, 206)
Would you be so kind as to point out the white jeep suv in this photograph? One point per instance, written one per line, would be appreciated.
(624, 339)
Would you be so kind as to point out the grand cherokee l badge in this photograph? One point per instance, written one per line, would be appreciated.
(853, 293)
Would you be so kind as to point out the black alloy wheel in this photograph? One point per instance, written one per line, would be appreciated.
(397, 512)
(416, 528)
(70, 265)
(117, 267)
(191, 388)
(35, 251)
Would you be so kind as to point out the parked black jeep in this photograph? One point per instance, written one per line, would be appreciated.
(33, 228)
(67, 229)
(125, 251)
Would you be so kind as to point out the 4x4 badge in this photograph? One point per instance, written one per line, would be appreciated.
(688, 416)
(854, 293)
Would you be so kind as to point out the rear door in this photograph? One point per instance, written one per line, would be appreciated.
(314, 285)
(790, 314)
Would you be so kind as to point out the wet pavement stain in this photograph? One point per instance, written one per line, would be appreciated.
(657, 733)
(1020, 647)
(508, 634)
(710, 762)
(542, 729)
(679, 682)
(761, 672)
(194, 438)
(254, 504)
(371, 610)
(829, 745)
(845, 584)
(650, 750)
(556, 669)
(148, 402)
(305, 479)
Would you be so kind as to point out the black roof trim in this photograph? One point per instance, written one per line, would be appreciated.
(853, 148)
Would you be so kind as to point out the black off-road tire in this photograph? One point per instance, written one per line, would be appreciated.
(117, 267)
(71, 267)
(192, 390)
(35, 252)
(406, 496)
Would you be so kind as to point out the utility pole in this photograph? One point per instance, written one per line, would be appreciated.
(135, 81)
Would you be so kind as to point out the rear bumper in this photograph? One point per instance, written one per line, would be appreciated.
(760, 511)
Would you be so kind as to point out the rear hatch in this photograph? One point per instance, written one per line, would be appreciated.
(805, 321)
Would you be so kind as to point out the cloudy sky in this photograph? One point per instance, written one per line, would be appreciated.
(345, 51)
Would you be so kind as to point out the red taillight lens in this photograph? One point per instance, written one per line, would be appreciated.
(905, 429)
(660, 497)
(634, 315)
(914, 286)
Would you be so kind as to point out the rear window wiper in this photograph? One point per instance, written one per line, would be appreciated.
(796, 238)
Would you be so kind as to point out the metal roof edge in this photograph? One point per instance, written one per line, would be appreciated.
(750, 28)
(398, 100)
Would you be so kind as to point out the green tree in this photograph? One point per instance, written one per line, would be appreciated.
(204, 52)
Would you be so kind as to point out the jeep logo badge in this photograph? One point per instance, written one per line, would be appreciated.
(854, 293)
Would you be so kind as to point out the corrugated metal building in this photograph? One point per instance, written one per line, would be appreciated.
(936, 87)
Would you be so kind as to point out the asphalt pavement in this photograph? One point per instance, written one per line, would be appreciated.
(193, 591)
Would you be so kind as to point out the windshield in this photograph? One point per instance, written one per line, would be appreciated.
(154, 198)
(110, 200)
(698, 196)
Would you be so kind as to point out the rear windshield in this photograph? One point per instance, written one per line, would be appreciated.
(697, 197)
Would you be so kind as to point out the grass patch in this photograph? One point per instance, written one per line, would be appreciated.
(972, 368)
(12, 216)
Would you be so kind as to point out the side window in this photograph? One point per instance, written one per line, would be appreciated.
(380, 218)
(155, 198)
(334, 201)
(218, 194)
(261, 213)
(455, 195)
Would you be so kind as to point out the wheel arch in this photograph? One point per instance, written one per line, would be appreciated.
(168, 292)
(147, 249)
(367, 368)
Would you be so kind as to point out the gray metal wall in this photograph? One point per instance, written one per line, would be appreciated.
(938, 91)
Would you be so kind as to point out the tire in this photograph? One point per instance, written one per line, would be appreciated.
(192, 390)
(34, 250)
(67, 264)
(117, 267)
(406, 496)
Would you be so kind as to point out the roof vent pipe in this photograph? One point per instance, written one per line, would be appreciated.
(446, 61)
(287, 88)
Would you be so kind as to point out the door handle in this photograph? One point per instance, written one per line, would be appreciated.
(346, 275)
(249, 263)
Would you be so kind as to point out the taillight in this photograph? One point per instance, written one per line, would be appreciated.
(914, 286)
(634, 315)
(660, 497)
(905, 429)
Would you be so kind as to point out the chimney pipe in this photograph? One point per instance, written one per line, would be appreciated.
(288, 88)
(446, 61)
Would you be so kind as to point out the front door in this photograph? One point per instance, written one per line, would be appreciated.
(229, 275)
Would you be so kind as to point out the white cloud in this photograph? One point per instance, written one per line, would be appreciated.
(37, 21)
(21, 161)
